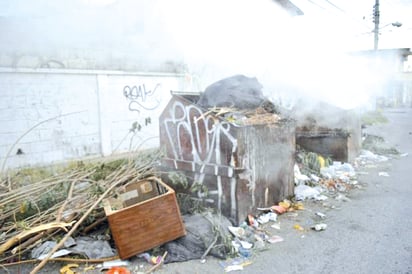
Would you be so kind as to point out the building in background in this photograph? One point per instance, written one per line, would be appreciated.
(393, 69)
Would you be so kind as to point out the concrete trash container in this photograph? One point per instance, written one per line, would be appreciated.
(243, 166)
(329, 131)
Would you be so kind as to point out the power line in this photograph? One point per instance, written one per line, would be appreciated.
(333, 5)
(362, 22)
(319, 6)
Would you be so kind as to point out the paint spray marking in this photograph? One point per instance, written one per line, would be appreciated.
(141, 98)
(206, 137)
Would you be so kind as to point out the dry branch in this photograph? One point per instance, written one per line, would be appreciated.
(73, 229)
(71, 197)
(23, 235)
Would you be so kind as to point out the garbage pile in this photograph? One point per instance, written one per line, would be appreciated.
(328, 179)
(239, 100)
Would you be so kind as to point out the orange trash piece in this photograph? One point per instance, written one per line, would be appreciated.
(118, 270)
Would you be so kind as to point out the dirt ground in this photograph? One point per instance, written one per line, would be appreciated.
(370, 232)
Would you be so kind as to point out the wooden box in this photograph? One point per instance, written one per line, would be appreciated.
(147, 224)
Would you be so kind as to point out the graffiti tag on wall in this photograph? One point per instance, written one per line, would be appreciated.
(142, 98)
(203, 140)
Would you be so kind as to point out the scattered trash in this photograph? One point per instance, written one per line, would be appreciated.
(246, 245)
(114, 263)
(310, 161)
(319, 227)
(237, 231)
(92, 248)
(245, 252)
(303, 192)
(70, 242)
(145, 256)
(88, 268)
(153, 268)
(343, 171)
(251, 221)
(43, 250)
(275, 226)
(272, 216)
(275, 239)
(293, 215)
(233, 268)
(57, 254)
(118, 270)
(259, 243)
(368, 157)
(341, 197)
(67, 269)
(298, 176)
(298, 227)
(206, 235)
(383, 174)
(314, 178)
(155, 260)
(150, 259)
(278, 209)
(321, 215)
(321, 198)
(265, 218)
(322, 161)
(236, 245)
(235, 264)
(298, 206)
(87, 246)
(285, 204)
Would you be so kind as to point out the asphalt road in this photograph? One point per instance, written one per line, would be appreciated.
(370, 233)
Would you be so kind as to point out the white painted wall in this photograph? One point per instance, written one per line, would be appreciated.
(58, 115)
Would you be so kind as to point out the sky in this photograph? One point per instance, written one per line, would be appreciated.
(218, 38)
(357, 16)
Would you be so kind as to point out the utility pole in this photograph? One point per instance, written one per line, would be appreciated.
(376, 21)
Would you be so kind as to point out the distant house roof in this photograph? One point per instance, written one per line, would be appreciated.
(401, 53)
(289, 7)
(391, 60)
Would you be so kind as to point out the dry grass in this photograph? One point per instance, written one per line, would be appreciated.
(37, 204)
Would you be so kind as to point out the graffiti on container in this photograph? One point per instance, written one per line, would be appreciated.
(202, 139)
(141, 98)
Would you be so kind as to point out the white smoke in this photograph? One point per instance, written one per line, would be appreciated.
(291, 56)
(296, 56)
